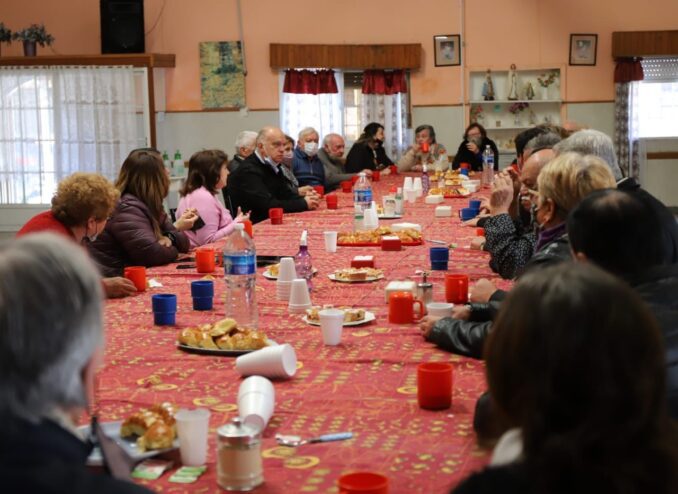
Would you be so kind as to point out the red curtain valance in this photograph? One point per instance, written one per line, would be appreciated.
(382, 82)
(310, 81)
(628, 70)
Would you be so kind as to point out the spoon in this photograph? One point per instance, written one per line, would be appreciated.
(293, 441)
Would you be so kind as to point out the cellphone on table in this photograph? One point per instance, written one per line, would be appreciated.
(186, 266)
(199, 223)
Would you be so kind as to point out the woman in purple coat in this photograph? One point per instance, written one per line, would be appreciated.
(139, 232)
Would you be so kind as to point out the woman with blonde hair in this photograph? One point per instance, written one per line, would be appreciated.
(139, 232)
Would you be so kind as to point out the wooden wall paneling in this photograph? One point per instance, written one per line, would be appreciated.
(626, 44)
(398, 56)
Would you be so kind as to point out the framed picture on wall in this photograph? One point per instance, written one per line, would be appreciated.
(583, 49)
(447, 50)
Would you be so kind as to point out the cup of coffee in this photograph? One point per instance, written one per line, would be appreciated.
(401, 308)
(332, 201)
(439, 309)
(137, 275)
(205, 260)
(276, 216)
(456, 288)
(434, 385)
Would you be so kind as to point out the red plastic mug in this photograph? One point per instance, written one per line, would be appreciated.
(346, 186)
(332, 201)
(319, 189)
(394, 169)
(248, 227)
(401, 308)
(276, 216)
(205, 261)
(480, 232)
(354, 179)
(363, 483)
(424, 147)
(376, 176)
(434, 385)
(137, 275)
(456, 288)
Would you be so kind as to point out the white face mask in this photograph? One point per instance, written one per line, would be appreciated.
(311, 148)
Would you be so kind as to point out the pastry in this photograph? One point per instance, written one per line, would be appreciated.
(350, 314)
(273, 270)
(155, 427)
(222, 327)
(158, 436)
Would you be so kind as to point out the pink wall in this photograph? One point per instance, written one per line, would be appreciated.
(529, 33)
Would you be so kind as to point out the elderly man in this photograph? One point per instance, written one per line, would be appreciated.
(244, 146)
(599, 144)
(306, 165)
(51, 339)
(332, 157)
(258, 184)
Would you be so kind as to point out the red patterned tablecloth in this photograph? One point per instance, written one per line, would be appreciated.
(366, 385)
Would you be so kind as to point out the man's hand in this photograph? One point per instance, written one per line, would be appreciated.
(385, 171)
(461, 311)
(312, 201)
(482, 291)
(426, 325)
(305, 190)
(186, 220)
(118, 287)
(471, 146)
(477, 243)
(502, 195)
(165, 241)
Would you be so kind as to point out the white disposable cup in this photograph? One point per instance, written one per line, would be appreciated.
(407, 184)
(192, 428)
(299, 293)
(439, 309)
(330, 241)
(276, 361)
(283, 289)
(417, 185)
(410, 195)
(287, 272)
(331, 325)
(256, 401)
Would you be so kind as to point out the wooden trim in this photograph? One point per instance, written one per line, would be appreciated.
(151, 103)
(663, 155)
(136, 60)
(396, 56)
(588, 102)
(627, 44)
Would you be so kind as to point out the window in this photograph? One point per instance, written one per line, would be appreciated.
(353, 98)
(656, 98)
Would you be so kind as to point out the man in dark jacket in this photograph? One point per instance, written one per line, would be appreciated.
(50, 336)
(258, 184)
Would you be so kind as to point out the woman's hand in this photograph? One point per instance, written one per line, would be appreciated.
(240, 216)
(426, 325)
(502, 194)
(471, 146)
(482, 291)
(477, 243)
(186, 220)
(165, 241)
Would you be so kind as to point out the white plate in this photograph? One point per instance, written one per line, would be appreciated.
(218, 351)
(369, 317)
(366, 280)
(269, 276)
(128, 444)
(392, 217)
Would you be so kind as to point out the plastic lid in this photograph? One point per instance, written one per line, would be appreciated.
(304, 238)
(238, 433)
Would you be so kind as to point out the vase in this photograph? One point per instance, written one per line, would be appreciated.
(544, 93)
(516, 121)
(30, 48)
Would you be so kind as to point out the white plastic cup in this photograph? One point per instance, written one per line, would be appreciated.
(287, 272)
(410, 195)
(418, 186)
(439, 309)
(331, 325)
(277, 361)
(256, 401)
(192, 428)
(283, 289)
(299, 293)
(330, 241)
(407, 184)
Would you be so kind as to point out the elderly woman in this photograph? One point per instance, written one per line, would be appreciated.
(51, 343)
(435, 157)
(575, 366)
(472, 147)
(80, 208)
(139, 233)
(207, 174)
(368, 151)
(562, 184)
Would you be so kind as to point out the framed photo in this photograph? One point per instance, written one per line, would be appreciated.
(447, 50)
(583, 49)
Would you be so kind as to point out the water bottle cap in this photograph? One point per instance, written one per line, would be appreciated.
(239, 226)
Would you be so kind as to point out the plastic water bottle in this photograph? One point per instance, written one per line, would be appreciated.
(425, 181)
(178, 165)
(399, 201)
(488, 166)
(362, 193)
(302, 261)
(240, 271)
(166, 161)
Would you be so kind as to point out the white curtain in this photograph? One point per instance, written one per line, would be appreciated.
(323, 112)
(55, 121)
(391, 112)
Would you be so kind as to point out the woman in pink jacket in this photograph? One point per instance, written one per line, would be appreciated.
(207, 174)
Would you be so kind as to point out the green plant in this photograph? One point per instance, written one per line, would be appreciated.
(546, 80)
(35, 33)
(5, 33)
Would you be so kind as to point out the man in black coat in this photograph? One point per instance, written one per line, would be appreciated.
(258, 184)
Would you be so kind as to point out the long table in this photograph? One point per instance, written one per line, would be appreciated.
(366, 385)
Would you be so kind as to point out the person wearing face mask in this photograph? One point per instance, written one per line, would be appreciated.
(471, 149)
(306, 165)
(332, 157)
(288, 155)
(80, 208)
(368, 151)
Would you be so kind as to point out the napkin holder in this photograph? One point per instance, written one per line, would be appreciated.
(363, 262)
(391, 243)
(401, 286)
(434, 199)
(443, 211)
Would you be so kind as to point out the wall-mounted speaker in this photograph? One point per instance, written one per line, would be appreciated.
(122, 26)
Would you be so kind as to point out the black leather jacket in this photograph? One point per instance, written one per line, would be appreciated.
(468, 337)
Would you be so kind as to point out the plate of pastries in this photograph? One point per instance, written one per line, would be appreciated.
(352, 317)
(408, 236)
(272, 271)
(450, 191)
(222, 337)
(356, 275)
